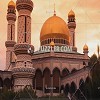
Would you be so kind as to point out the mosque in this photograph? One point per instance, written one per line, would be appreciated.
(51, 72)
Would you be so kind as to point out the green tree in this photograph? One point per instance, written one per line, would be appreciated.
(95, 73)
(26, 93)
(93, 59)
(7, 94)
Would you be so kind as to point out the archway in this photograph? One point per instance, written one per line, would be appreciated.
(7, 83)
(67, 89)
(62, 89)
(39, 80)
(88, 86)
(73, 88)
(47, 79)
(56, 80)
(12, 82)
(1, 82)
(73, 70)
(33, 82)
(82, 85)
(80, 92)
(65, 72)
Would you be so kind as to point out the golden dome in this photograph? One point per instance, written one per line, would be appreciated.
(85, 47)
(54, 27)
(52, 44)
(11, 3)
(71, 13)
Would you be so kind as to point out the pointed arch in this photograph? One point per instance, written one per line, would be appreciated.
(7, 83)
(56, 69)
(56, 79)
(67, 89)
(1, 82)
(39, 79)
(65, 72)
(73, 88)
(47, 79)
(82, 85)
(73, 70)
(87, 79)
(62, 89)
(88, 87)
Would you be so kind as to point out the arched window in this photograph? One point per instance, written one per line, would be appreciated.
(56, 77)
(39, 80)
(64, 41)
(58, 40)
(50, 40)
(54, 40)
(45, 41)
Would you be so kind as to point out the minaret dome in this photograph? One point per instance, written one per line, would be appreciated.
(85, 47)
(11, 3)
(71, 13)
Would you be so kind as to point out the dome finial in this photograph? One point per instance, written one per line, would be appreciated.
(54, 10)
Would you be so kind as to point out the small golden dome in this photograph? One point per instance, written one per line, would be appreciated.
(85, 47)
(11, 3)
(54, 27)
(52, 44)
(71, 13)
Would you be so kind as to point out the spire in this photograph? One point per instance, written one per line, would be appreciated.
(54, 10)
(98, 50)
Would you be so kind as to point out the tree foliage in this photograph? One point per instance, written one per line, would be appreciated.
(95, 74)
(26, 93)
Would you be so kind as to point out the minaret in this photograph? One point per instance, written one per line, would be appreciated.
(11, 18)
(23, 72)
(72, 26)
(24, 8)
